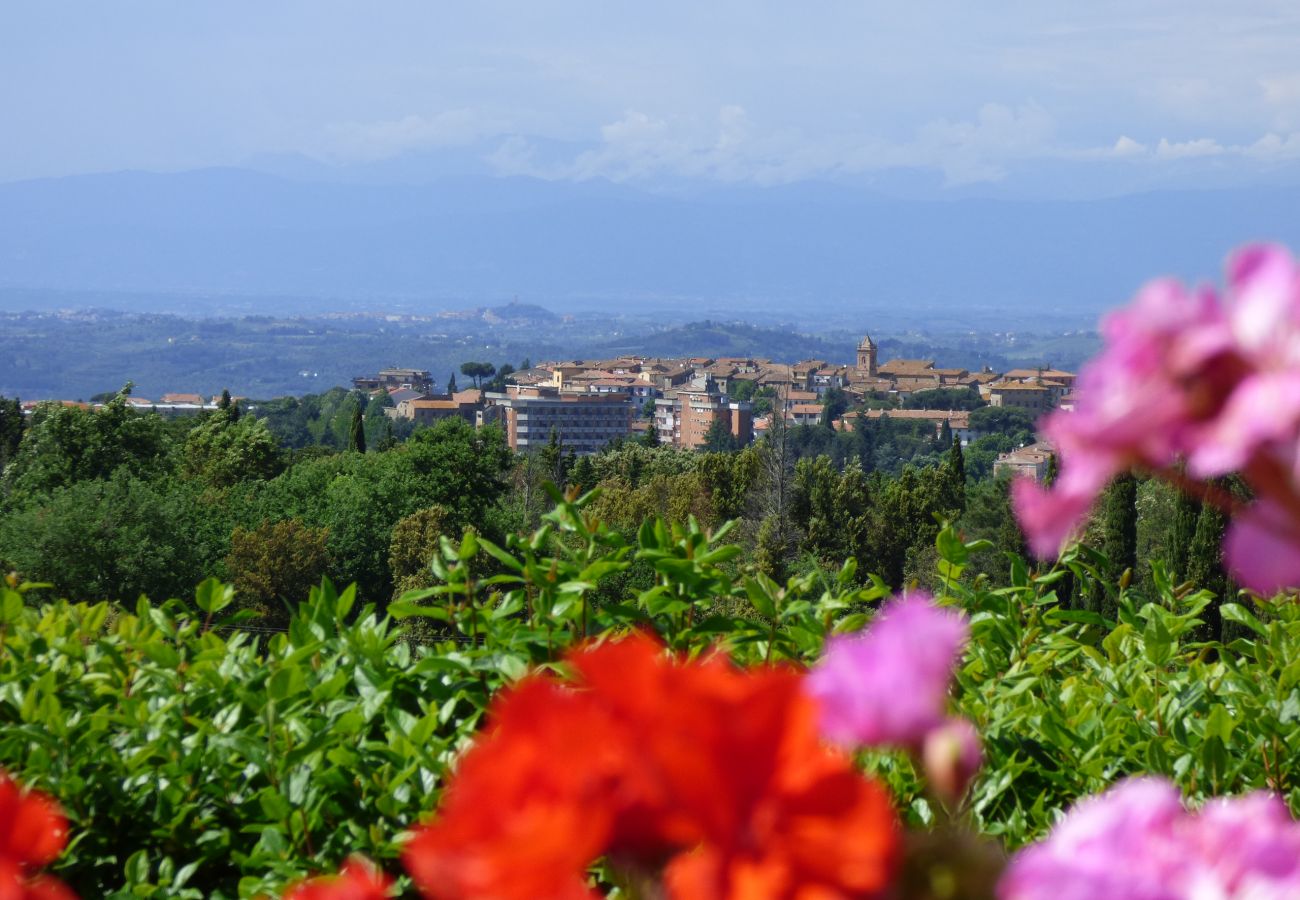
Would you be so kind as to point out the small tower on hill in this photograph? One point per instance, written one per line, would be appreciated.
(867, 356)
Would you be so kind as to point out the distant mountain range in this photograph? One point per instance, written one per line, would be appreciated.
(230, 240)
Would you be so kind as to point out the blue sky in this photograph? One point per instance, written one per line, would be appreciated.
(1112, 95)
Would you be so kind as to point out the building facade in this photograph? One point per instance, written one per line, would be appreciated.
(684, 418)
(394, 379)
(585, 423)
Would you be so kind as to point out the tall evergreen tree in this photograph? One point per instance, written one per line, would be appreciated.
(952, 480)
(11, 429)
(1010, 539)
(1119, 531)
(228, 406)
(552, 458)
(1120, 523)
(451, 383)
(1065, 587)
(718, 439)
(771, 549)
(1187, 513)
(357, 434)
(583, 473)
(1205, 564)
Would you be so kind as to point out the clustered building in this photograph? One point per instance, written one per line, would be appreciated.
(689, 402)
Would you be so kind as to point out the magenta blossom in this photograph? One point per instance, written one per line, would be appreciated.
(1137, 842)
(1261, 547)
(1185, 377)
(888, 686)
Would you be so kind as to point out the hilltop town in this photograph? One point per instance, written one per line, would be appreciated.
(686, 402)
(691, 402)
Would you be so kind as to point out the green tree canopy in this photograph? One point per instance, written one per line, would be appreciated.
(277, 562)
(227, 448)
(68, 444)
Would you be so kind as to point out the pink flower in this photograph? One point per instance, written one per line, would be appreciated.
(1185, 376)
(1260, 548)
(1245, 847)
(1137, 842)
(889, 685)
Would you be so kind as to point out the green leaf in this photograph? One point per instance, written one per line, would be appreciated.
(212, 596)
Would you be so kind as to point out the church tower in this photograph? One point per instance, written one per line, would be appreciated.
(867, 357)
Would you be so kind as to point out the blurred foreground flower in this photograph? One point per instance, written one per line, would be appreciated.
(888, 686)
(1137, 842)
(32, 834)
(706, 779)
(357, 880)
(1186, 378)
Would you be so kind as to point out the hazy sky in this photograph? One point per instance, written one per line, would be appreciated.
(973, 92)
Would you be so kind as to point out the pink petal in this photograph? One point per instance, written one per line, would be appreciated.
(1263, 409)
(889, 684)
(1265, 303)
(1262, 548)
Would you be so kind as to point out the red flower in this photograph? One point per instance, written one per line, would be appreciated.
(32, 834)
(712, 778)
(357, 880)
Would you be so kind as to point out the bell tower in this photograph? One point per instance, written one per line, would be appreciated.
(867, 356)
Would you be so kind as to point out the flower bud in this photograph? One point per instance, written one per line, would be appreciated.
(951, 755)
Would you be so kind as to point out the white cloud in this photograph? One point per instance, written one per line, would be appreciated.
(1125, 146)
(1200, 147)
(975, 151)
(732, 148)
(1275, 147)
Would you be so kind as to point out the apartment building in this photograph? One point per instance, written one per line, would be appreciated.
(684, 418)
(586, 423)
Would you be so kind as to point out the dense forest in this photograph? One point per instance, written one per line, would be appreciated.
(114, 503)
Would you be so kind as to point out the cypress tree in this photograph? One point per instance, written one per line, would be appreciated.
(1118, 532)
(953, 477)
(1205, 565)
(358, 432)
(1120, 523)
(1064, 587)
(1010, 539)
(1187, 513)
(451, 384)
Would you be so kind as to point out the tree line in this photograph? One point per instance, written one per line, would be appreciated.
(115, 502)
